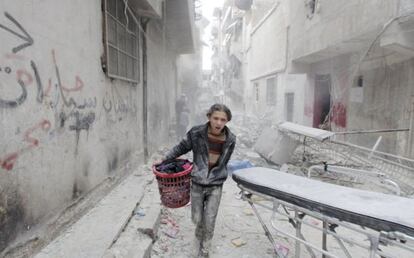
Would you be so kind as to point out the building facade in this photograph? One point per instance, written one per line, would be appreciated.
(85, 87)
(338, 65)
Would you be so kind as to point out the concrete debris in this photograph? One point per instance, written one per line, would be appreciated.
(171, 232)
(248, 212)
(284, 168)
(238, 242)
(281, 249)
(275, 146)
(139, 212)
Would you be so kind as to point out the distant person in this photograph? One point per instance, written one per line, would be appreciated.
(212, 145)
(183, 122)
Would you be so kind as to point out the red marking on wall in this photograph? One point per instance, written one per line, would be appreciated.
(24, 76)
(49, 87)
(78, 85)
(15, 56)
(338, 115)
(44, 125)
(78, 81)
(10, 159)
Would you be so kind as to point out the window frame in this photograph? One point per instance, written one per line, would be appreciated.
(287, 116)
(136, 73)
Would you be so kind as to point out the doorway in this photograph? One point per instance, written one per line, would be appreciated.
(322, 101)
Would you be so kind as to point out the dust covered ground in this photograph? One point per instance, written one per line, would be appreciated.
(238, 232)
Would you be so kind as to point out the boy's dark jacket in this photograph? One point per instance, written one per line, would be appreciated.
(197, 141)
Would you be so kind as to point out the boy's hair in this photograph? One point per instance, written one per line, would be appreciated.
(219, 107)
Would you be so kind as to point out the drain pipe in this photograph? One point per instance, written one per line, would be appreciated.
(144, 23)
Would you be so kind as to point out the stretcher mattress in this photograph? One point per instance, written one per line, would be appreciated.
(378, 211)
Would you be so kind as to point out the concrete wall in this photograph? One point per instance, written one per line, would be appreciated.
(265, 56)
(65, 125)
(344, 25)
(162, 86)
(384, 101)
(268, 44)
(295, 84)
(330, 42)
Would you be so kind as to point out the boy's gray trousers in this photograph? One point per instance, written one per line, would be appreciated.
(205, 201)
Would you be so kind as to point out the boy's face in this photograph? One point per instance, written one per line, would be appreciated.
(218, 119)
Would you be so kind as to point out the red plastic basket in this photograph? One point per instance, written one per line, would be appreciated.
(174, 188)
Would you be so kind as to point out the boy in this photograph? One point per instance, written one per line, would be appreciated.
(212, 145)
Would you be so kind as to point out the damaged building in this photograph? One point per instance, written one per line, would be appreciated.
(336, 65)
(81, 97)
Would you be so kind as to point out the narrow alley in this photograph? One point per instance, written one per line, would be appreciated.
(207, 128)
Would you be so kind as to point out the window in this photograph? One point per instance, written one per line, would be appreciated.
(311, 6)
(359, 81)
(271, 91)
(121, 41)
(289, 106)
(256, 88)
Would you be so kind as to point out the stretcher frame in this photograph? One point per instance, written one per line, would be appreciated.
(376, 239)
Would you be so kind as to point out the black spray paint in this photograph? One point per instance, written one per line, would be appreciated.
(26, 37)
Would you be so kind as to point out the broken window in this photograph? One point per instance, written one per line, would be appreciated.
(121, 41)
(271, 91)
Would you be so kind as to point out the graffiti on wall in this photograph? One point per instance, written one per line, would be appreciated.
(23, 81)
(113, 101)
(53, 92)
(7, 162)
(22, 33)
(338, 116)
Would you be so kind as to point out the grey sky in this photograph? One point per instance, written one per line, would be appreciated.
(208, 7)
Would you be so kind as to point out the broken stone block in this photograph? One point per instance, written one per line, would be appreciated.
(275, 146)
(237, 242)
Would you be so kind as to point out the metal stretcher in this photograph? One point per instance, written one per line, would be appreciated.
(386, 221)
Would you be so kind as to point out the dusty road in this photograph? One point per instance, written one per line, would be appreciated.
(235, 221)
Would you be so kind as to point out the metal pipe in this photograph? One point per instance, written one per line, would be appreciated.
(306, 243)
(297, 229)
(375, 147)
(145, 89)
(358, 173)
(335, 235)
(343, 247)
(324, 237)
(369, 150)
(374, 131)
(267, 232)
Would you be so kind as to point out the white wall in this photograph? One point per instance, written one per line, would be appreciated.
(268, 43)
(52, 152)
(296, 84)
(341, 23)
